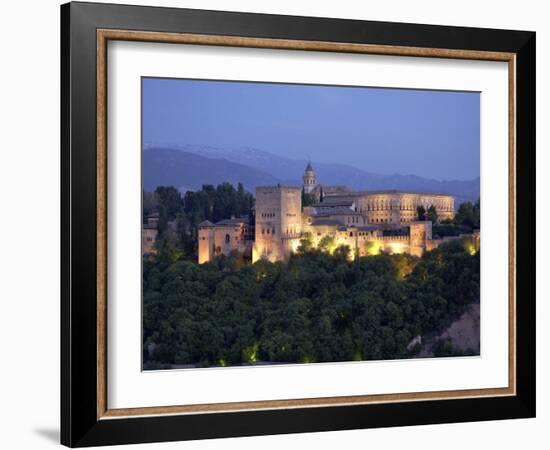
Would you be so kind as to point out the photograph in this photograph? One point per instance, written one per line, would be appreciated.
(271, 224)
(299, 224)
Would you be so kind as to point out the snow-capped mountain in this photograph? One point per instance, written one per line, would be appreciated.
(256, 166)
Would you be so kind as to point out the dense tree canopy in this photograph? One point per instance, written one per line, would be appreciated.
(466, 220)
(468, 215)
(316, 307)
(420, 213)
(307, 199)
(431, 214)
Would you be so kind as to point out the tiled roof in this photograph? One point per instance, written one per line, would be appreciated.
(279, 186)
(333, 204)
(396, 191)
(340, 210)
(234, 221)
(330, 200)
(325, 222)
(206, 223)
(366, 227)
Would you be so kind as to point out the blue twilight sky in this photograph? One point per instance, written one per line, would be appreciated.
(431, 134)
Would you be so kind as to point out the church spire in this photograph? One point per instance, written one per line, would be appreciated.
(309, 179)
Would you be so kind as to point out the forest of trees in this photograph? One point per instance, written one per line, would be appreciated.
(314, 308)
(466, 220)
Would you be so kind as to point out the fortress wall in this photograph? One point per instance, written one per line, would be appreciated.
(474, 239)
(236, 241)
(397, 246)
(222, 240)
(393, 238)
(206, 244)
(319, 231)
(434, 243)
(361, 243)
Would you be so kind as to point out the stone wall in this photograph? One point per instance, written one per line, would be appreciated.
(216, 240)
(278, 222)
(401, 208)
(148, 240)
(420, 233)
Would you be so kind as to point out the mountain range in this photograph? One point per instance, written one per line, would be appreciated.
(188, 167)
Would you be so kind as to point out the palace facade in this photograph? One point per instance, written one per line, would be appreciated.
(368, 222)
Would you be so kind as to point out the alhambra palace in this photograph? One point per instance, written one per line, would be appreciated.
(368, 222)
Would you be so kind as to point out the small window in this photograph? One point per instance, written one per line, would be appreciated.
(227, 238)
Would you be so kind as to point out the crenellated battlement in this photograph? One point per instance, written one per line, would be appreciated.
(397, 238)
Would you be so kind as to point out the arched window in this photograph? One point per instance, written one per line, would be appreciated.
(227, 239)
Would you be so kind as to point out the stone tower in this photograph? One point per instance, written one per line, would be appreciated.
(420, 232)
(309, 179)
(278, 222)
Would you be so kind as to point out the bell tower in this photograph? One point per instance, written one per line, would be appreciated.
(309, 179)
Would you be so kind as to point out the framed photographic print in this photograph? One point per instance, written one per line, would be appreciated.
(276, 224)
